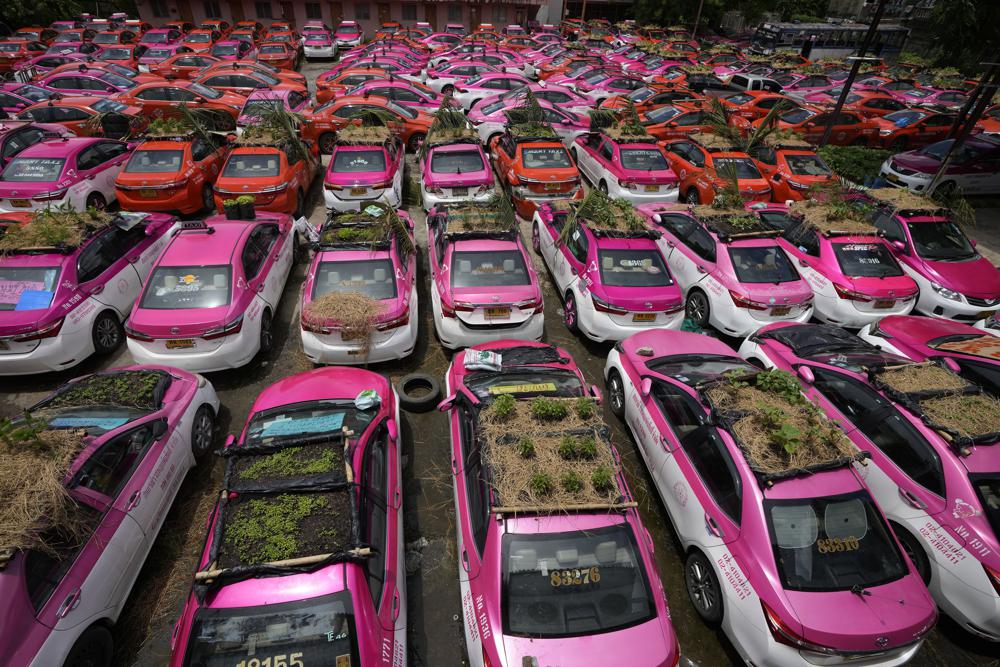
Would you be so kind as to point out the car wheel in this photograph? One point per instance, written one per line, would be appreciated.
(691, 196)
(327, 142)
(266, 333)
(107, 333)
(202, 431)
(207, 198)
(616, 394)
(297, 251)
(914, 552)
(898, 144)
(473, 105)
(300, 205)
(703, 588)
(413, 145)
(97, 200)
(418, 392)
(536, 239)
(569, 313)
(448, 90)
(603, 186)
(946, 189)
(94, 648)
(860, 141)
(576, 156)
(697, 308)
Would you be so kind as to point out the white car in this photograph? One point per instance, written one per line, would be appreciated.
(487, 85)
(973, 172)
(319, 45)
(490, 120)
(636, 171)
(445, 79)
(359, 175)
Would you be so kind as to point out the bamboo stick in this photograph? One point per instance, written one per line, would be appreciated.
(512, 509)
(362, 552)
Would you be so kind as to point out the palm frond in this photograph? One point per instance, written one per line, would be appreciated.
(276, 126)
(767, 127)
(600, 119)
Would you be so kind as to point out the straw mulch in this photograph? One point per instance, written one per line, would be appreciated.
(354, 314)
(512, 473)
(903, 199)
(729, 220)
(495, 215)
(532, 129)
(130, 389)
(828, 218)
(363, 135)
(38, 511)
(714, 142)
(970, 415)
(53, 228)
(447, 135)
(786, 139)
(697, 69)
(915, 378)
(625, 133)
(360, 227)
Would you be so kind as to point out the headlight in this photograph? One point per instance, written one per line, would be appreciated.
(946, 293)
(885, 133)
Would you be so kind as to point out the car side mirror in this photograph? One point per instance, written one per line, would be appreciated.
(899, 245)
(951, 364)
(447, 404)
(230, 441)
(596, 393)
(805, 374)
(973, 242)
(646, 387)
(393, 430)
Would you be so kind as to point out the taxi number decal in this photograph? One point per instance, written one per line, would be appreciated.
(522, 388)
(283, 660)
(836, 544)
(575, 577)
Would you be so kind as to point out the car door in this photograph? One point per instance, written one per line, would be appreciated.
(381, 526)
(691, 258)
(17, 141)
(113, 157)
(981, 175)
(471, 495)
(104, 271)
(155, 101)
(570, 259)
(712, 507)
(207, 158)
(685, 160)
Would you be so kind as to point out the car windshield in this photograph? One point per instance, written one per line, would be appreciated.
(145, 161)
(640, 94)
(358, 161)
(573, 583)
(303, 420)
(405, 112)
(692, 369)
(27, 287)
(662, 115)
(205, 91)
(545, 158)
(33, 93)
(833, 543)
(796, 116)
(498, 268)
(33, 169)
(155, 38)
(919, 93)
(643, 159)
(456, 162)
(739, 98)
(198, 38)
(96, 420)
(904, 118)
(374, 278)
(742, 166)
(316, 632)
(117, 81)
(252, 165)
(154, 54)
(491, 109)
(807, 165)
(633, 268)
(866, 260)
(224, 50)
(116, 54)
(762, 264)
(186, 287)
(255, 108)
(988, 489)
(524, 382)
(940, 241)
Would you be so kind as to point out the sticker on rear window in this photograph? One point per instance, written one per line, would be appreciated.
(104, 423)
(11, 290)
(319, 424)
(34, 300)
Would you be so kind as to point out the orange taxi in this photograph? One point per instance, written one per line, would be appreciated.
(183, 65)
(277, 178)
(535, 169)
(279, 54)
(79, 115)
(704, 166)
(322, 123)
(175, 174)
(338, 83)
(246, 81)
(201, 40)
(754, 104)
(160, 99)
(675, 121)
(792, 168)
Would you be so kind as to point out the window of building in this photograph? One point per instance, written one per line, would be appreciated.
(455, 13)
(212, 9)
(263, 10)
(160, 8)
(362, 11)
(499, 16)
(313, 11)
(409, 12)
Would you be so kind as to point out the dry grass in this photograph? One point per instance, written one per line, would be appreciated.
(786, 139)
(697, 69)
(828, 218)
(969, 415)
(512, 473)
(623, 133)
(54, 228)
(904, 199)
(448, 135)
(914, 378)
(363, 135)
(494, 216)
(354, 314)
(714, 142)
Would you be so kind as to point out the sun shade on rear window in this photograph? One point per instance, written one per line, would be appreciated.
(187, 287)
(24, 287)
(762, 264)
(545, 158)
(252, 166)
(743, 167)
(807, 165)
(866, 260)
(501, 268)
(456, 162)
(355, 162)
(154, 162)
(33, 169)
(374, 278)
(574, 583)
(633, 268)
(832, 544)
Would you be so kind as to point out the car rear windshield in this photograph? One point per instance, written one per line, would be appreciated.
(832, 544)
(988, 489)
(524, 382)
(162, 54)
(491, 109)
(10, 47)
(866, 260)
(374, 278)
(574, 583)
(27, 287)
(545, 158)
(347, 30)
(252, 165)
(323, 39)
(33, 169)
(762, 264)
(692, 369)
(456, 162)
(739, 98)
(198, 38)
(318, 632)
(305, 420)
(359, 161)
(272, 48)
(633, 268)
(155, 38)
(116, 54)
(807, 165)
(146, 161)
(940, 241)
(184, 287)
(744, 167)
(662, 115)
(645, 159)
(500, 268)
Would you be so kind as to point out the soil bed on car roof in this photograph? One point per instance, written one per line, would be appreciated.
(291, 463)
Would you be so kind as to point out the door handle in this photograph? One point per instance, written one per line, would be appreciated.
(465, 560)
(912, 500)
(713, 527)
(133, 501)
(69, 604)
(133, 259)
(803, 262)
(701, 269)
(395, 604)
(454, 466)
(97, 289)
(397, 499)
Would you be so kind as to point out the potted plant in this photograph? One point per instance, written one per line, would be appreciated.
(231, 208)
(246, 208)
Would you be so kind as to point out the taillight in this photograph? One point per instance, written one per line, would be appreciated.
(605, 307)
(450, 310)
(785, 635)
(50, 196)
(678, 307)
(534, 303)
(48, 331)
(850, 295)
(137, 335)
(233, 327)
(994, 577)
(744, 302)
(400, 321)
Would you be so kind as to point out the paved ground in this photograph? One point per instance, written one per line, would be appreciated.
(143, 635)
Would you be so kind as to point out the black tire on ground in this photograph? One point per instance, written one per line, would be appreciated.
(703, 588)
(946, 189)
(603, 186)
(202, 431)
(266, 333)
(418, 392)
(300, 205)
(691, 196)
(297, 250)
(94, 648)
(448, 90)
(107, 333)
(697, 307)
(414, 143)
(536, 239)
(327, 142)
(914, 552)
(97, 200)
(616, 393)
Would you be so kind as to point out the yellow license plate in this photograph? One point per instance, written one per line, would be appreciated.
(4, 345)
(357, 192)
(20, 203)
(553, 186)
(495, 313)
(460, 192)
(893, 178)
(884, 303)
(148, 194)
(652, 188)
(180, 344)
(983, 314)
(643, 317)
(780, 311)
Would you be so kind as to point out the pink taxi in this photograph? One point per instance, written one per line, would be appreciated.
(569, 585)
(208, 303)
(634, 167)
(60, 305)
(364, 171)
(338, 594)
(454, 170)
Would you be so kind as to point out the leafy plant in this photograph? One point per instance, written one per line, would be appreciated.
(584, 407)
(788, 436)
(586, 448)
(781, 383)
(546, 409)
(567, 447)
(504, 405)
(858, 164)
(541, 483)
(602, 479)
(229, 202)
(526, 448)
(571, 482)
(266, 529)
(245, 199)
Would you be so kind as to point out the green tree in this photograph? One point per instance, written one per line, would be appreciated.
(964, 32)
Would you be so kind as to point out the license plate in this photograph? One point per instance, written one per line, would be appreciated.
(496, 313)
(643, 317)
(893, 178)
(885, 303)
(983, 314)
(148, 194)
(780, 311)
(4, 345)
(652, 188)
(553, 186)
(356, 192)
(180, 344)
(347, 337)
(20, 203)
(460, 192)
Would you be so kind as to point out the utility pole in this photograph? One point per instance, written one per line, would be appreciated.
(697, 19)
(583, 12)
(855, 66)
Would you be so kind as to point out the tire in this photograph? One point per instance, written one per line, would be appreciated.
(570, 315)
(418, 392)
(448, 89)
(914, 552)
(266, 332)
(603, 186)
(756, 363)
(207, 198)
(576, 157)
(616, 394)
(703, 588)
(697, 308)
(97, 200)
(691, 196)
(413, 145)
(536, 240)
(946, 189)
(94, 648)
(107, 333)
(473, 104)
(327, 142)
(202, 431)
(300, 205)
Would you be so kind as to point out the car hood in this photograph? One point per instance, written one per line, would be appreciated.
(974, 277)
(633, 646)
(914, 160)
(181, 322)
